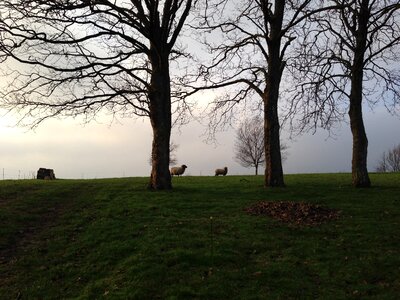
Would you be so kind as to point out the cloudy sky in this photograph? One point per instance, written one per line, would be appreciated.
(99, 150)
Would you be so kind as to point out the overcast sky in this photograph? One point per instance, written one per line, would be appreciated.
(98, 150)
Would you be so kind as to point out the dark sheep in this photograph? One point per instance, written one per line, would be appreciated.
(223, 171)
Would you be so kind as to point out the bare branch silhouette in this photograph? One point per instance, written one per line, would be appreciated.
(350, 59)
(80, 58)
(249, 63)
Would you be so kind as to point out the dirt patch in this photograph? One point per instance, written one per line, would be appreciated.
(294, 213)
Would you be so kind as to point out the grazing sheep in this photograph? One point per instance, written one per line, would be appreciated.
(178, 170)
(223, 171)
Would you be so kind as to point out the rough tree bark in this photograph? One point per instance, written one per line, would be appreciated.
(160, 117)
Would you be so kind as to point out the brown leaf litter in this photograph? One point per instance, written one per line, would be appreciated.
(294, 213)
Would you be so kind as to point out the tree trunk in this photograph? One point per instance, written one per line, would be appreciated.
(160, 117)
(256, 170)
(273, 159)
(359, 170)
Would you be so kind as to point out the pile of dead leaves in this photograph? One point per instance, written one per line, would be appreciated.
(294, 213)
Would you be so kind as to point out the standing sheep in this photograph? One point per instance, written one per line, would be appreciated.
(178, 170)
(223, 171)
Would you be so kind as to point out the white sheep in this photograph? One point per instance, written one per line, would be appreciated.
(178, 170)
(223, 171)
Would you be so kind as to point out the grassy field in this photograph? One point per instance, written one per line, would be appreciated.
(112, 238)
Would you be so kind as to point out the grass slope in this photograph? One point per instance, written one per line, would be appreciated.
(112, 238)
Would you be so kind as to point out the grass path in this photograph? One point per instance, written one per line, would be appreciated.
(114, 239)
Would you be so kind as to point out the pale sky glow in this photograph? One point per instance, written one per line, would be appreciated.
(99, 150)
(122, 149)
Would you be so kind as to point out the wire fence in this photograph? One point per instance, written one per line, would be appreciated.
(20, 174)
(6, 174)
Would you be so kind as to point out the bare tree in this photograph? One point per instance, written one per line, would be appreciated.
(249, 145)
(382, 166)
(173, 160)
(390, 161)
(83, 57)
(351, 58)
(393, 159)
(251, 59)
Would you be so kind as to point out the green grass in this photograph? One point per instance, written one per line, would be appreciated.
(112, 238)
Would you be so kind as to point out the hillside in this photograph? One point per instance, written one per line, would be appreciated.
(112, 238)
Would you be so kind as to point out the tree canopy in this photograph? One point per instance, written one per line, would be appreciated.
(80, 57)
(76, 58)
(349, 59)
